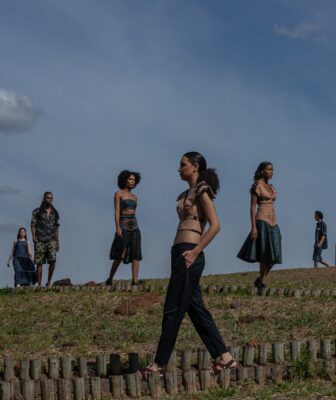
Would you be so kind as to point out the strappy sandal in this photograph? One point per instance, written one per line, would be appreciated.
(145, 372)
(219, 365)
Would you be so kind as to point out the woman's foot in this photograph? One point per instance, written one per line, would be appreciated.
(145, 372)
(108, 282)
(135, 283)
(257, 282)
(219, 365)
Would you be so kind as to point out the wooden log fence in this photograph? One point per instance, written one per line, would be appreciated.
(187, 372)
(209, 290)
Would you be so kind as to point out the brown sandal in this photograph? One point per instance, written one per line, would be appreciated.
(219, 365)
(145, 372)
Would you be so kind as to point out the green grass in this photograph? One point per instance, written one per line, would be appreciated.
(41, 324)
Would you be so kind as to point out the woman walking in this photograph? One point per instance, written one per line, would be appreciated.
(22, 256)
(126, 245)
(263, 244)
(195, 208)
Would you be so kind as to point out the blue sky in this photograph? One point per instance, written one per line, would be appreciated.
(89, 88)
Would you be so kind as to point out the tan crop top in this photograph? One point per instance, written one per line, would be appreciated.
(266, 197)
(188, 210)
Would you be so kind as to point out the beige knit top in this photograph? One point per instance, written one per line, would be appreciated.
(266, 196)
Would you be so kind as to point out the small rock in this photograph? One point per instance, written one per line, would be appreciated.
(63, 282)
(133, 305)
(235, 304)
(91, 283)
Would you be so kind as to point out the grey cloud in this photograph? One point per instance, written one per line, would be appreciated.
(17, 113)
(5, 189)
(8, 228)
(304, 30)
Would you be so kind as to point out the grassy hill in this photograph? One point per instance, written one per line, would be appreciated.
(40, 324)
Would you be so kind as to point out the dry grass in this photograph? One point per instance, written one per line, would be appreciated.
(41, 324)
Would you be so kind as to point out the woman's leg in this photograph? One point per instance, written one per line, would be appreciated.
(263, 272)
(114, 268)
(206, 327)
(135, 271)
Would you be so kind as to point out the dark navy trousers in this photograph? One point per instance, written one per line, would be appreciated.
(184, 296)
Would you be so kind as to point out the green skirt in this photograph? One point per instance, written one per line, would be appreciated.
(266, 248)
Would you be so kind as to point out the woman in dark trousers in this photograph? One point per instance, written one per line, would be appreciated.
(126, 245)
(195, 208)
(22, 256)
(263, 244)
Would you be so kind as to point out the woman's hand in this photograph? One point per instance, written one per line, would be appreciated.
(119, 232)
(189, 257)
(254, 233)
(8, 264)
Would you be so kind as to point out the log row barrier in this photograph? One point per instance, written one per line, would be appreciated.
(211, 289)
(188, 371)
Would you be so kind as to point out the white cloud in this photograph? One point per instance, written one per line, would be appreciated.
(5, 189)
(17, 113)
(304, 30)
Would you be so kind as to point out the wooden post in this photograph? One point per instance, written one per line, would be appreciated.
(260, 373)
(53, 368)
(48, 389)
(24, 370)
(312, 348)
(189, 379)
(64, 389)
(326, 349)
(171, 365)
(203, 359)
(133, 362)
(224, 378)
(294, 348)
(277, 373)
(205, 379)
(7, 390)
(9, 369)
(115, 364)
(248, 356)
(117, 386)
(82, 367)
(278, 353)
(133, 385)
(262, 354)
(150, 358)
(185, 360)
(28, 389)
(101, 365)
(235, 352)
(35, 369)
(171, 383)
(66, 370)
(95, 388)
(154, 385)
(79, 388)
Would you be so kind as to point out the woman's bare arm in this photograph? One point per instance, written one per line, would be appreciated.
(210, 213)
(11, 253)
(117, 213)
(30, 254)
(253, 208)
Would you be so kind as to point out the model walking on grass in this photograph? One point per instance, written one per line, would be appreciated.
(126, 245)
(195, 208)
(263, 244)
(321, 239)
(22, 256)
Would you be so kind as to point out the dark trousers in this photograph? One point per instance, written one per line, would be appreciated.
(184, 296)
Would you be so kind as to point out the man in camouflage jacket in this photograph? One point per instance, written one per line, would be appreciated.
(45, 232)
